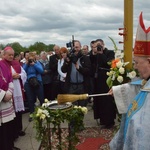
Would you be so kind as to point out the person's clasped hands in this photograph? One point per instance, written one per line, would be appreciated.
(7, 97)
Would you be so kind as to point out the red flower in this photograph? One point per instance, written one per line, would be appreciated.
(114, 62)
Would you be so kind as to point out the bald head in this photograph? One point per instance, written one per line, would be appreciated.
(56, 49)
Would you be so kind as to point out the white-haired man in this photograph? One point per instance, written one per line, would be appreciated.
(133, 99)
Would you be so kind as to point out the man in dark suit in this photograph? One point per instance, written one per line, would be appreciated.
(53, 62)
(77, 66)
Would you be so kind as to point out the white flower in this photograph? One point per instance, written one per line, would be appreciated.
(119, 64)
(75, 106)
(46, 100)
(44, 105)
(120, 79)
(84, 110)
(110, 73)
(122, 55)
(37, 115)
(46, 113)
(121, 70)
(113, 77)
(39, 111)
(42, 113)
(131, 74)
(42, 116)
(126, 63)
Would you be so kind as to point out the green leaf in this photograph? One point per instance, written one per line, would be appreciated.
(115, 46)
(109, 82)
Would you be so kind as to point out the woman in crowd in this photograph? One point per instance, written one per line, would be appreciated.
(63, 54)
(33, 85)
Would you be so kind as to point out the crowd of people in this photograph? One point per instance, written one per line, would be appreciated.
(34, 77)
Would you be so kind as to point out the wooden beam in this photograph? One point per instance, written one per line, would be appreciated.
(128, 32)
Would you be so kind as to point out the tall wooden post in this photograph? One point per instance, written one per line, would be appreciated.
(128, 32)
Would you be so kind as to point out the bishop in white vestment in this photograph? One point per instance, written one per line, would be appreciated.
(133, 99)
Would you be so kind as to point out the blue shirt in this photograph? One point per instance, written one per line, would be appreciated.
(34, 70)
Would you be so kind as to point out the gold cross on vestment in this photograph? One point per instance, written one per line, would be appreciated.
(134, 105)
(133, 108)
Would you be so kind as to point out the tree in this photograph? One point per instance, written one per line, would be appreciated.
(17, 47)
(37, 46)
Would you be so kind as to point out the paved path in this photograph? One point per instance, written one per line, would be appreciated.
(28, 142)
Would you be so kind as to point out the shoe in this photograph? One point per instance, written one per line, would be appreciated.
(102, 127)
(101, 123)
(30, 119)
(110, 126)
(98, 122)
(107, 126)
(16, 148)
(21, 133)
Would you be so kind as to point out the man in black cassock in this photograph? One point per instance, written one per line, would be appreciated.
(103, 106)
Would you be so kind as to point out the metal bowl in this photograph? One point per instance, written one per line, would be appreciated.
(55, 106)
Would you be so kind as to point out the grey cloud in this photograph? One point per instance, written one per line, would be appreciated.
(56, 20)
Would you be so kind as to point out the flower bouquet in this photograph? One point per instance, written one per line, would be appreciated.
(47, 124)
(118, 74)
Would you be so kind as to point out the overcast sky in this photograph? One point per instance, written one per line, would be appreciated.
(55, 21)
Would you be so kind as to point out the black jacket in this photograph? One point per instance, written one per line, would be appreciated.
(84, 69)
(53, 63)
